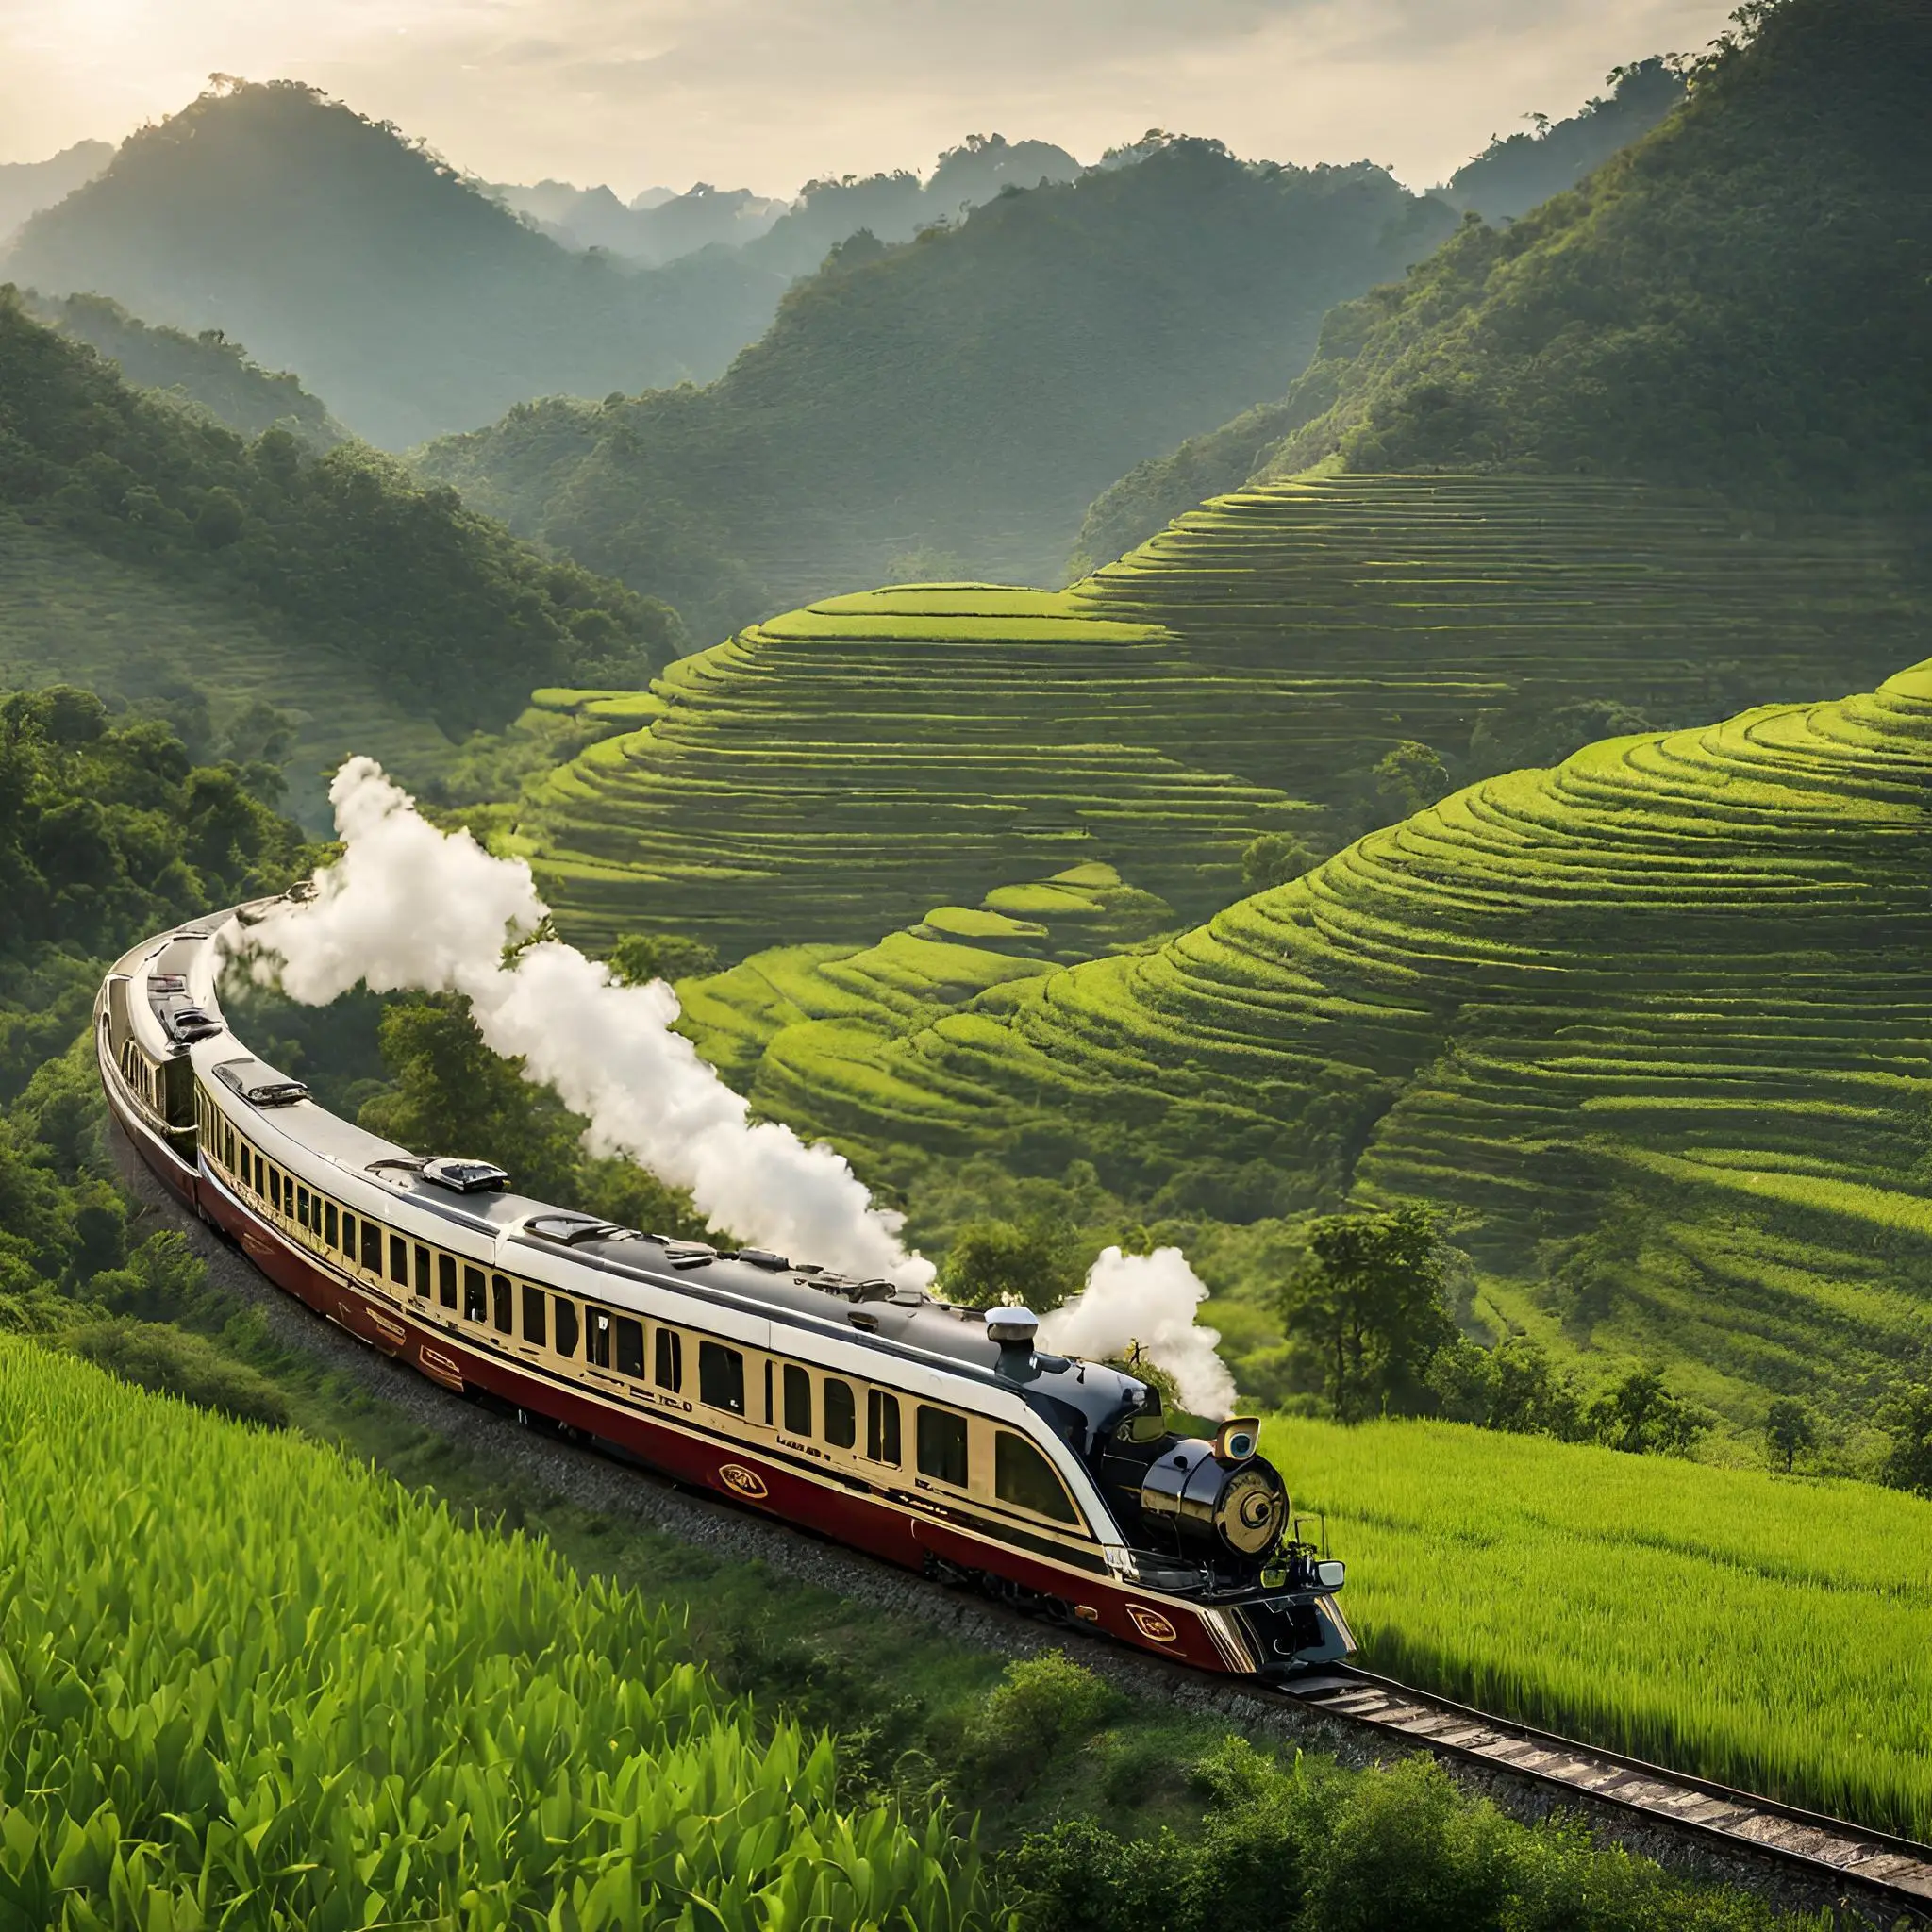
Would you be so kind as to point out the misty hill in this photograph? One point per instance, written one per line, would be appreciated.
(405, 590)
(792, 237)
(1514, 173)
(335, 247)
(26, 187)
(201, 372)
(1738, 300)
(947, 407)
(655, 227)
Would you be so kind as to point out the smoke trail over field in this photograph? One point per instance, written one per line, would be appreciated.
(1150, 1299)
(411, 908)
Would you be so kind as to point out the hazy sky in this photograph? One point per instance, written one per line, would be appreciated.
(767, 93)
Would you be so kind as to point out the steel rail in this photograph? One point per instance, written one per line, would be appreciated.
(1896, 1869)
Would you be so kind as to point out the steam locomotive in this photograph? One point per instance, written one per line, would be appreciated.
(941, 1437)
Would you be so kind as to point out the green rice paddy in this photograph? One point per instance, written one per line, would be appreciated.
(1763, 1632)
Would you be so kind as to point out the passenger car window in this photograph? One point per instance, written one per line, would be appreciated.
(446, 1280)
(882, 1426)
(630, 1348)
(501, 1295)
(399, 1261)
(797, 1400)
(423, 1273)
(597, 1345)
(371, 1247)
(476, 1300)
(566, 1313)
(942, 1446)
(1023, 1477)
(533, 1314)
(670, 1364)
(721, 1376)
(842, 1414)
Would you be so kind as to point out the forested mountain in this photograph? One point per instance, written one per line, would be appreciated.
(1738, 300)
(948, 405)
(204, 373)
(334, 246)
(26, 187)
(338, 563)
(1515, 173)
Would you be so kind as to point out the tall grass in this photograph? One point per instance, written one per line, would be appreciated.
(1769, 1633)
(246, 1683)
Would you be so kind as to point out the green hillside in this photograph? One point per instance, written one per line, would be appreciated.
(949, 408)
(1655, 1021)
(69, 615)
(1735, 301)
(335, 246)
(205, 373)
(342, 557)
(26, 187)
(830, 775)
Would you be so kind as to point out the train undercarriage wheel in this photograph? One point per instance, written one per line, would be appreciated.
(1000, 1590)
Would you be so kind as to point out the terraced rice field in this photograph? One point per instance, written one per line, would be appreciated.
(67, 615)
(833, 773)
(1689, 968)
(830, 775)
(1763, 1632)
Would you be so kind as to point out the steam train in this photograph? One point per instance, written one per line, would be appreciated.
(936, 1437)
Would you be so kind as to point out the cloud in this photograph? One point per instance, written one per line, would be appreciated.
(770, 93)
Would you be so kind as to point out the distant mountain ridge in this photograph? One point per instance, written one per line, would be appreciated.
(1737, 301)
(336, 247)
(945, 408)
(792, 236)
(26, 187)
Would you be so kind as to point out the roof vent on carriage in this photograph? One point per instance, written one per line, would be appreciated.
(465, 1176)
(1012, 1327)
(260, 1084)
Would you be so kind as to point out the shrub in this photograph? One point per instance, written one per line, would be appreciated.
(1044, 1704)
(172, 1361)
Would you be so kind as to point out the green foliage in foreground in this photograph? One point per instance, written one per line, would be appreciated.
(1763, 1632)
(243, 1681)
(1305, 1846)
(344, 548)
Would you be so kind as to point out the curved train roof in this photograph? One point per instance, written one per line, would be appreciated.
(178, 973)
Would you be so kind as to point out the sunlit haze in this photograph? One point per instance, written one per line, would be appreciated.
(768, 94)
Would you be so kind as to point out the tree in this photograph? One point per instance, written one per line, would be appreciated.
(1788, 1432)
(1274, 859)
(640, 957)
(1513, 1387)
(452, 1096)
(1369, 1305)
(1035, 1262)
(1409, 777)
(1907, 1420)
(1639, 1416)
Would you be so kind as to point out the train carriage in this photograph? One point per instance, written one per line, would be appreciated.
(936, 1437)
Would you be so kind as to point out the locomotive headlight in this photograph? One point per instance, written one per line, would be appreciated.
(1329, 1574)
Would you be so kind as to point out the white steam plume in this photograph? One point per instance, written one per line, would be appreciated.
(409, 906)
(1150, 1299)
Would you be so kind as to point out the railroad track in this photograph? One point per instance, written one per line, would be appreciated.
(1893, 1870)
